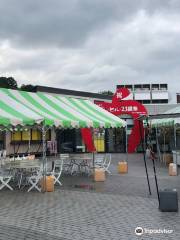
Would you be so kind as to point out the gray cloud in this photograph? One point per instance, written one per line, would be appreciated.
(88, 44)
(66, 23)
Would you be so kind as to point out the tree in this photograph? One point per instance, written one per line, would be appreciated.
(109, 93)
(28, 88)
(8, 82)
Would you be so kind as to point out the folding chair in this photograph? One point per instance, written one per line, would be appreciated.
(5, 178)
(67, 162)
(86, 163)
(107, 162)
(99, 161)
(34, 179)
(4, 153)
(57, 170)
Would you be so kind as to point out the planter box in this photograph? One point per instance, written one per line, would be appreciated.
(47, 184)
(99, 175)
(172, 169)
(122, 167)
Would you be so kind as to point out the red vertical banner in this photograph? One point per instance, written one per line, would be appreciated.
(135, 136)
(88, 139)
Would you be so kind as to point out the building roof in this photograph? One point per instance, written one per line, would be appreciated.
(154, 109)
(74, 93)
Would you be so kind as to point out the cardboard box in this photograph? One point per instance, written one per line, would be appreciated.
(172, 169)
(122, 167)
(47, 184)
(99, 175)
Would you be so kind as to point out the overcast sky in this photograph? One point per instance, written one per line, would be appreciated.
(90, 45)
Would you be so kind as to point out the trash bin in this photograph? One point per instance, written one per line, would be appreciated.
(168, 200)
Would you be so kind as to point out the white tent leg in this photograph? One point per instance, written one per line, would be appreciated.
(44, 156)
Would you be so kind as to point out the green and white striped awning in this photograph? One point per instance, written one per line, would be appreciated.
(167, 122)
(26, 108)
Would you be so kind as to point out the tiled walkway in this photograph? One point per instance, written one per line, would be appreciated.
(105, 211)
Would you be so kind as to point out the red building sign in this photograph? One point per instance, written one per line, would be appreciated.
(118, 107)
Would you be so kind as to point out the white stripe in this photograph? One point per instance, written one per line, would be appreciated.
(66, 100)
(58, 123)
(19, 107)
(68, 108)
(110, 115)
(7, 115)
(30, 105)
(47, 106)
(100, 119)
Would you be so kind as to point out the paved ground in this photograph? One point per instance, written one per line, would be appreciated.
(103, 211)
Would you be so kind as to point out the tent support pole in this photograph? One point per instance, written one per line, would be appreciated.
(44, 157)
(175, 141)
(92, 130)
(14, 146)
(126, 143)
(157, 146)
(144, 157)
(29, 143)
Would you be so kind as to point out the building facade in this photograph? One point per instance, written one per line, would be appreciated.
(148, 93)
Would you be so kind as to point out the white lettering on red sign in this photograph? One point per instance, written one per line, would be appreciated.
(119, 95)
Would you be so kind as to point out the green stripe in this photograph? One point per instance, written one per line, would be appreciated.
(16, 114)
(38, 105)
(106, 118)
(96, 123)
(9, 93)
(103, 115)
(61, 110)
(107, 123)
(4, 121)
(81, 123)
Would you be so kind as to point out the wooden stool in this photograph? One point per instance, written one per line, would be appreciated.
(122, 167)
(99, 175)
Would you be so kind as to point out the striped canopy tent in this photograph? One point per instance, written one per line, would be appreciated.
(26, 109)
(167, 121)
(20, 108)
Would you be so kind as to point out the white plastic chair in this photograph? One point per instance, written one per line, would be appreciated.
(103, 161)
(34, 179)
(99, 160)
(86, 163)
(57, 170)
(4, 153)
(67, 162)
(107, 162)
(5, 178)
